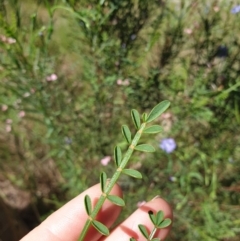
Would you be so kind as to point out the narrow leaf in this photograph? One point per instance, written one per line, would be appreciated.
(118, 155)
(158, 110)
(144, 117)
(153, 129)
(132, 173)
(132, 239)
(88, 204)
(145, 148)
(136, 118)
(160, 217)
(143, 230)
(156, 239)
(100, 227)
(165, 223)
(116, 200)
(126, 133)
(103, 181)
(152, 217)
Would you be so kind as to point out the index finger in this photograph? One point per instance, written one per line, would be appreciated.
(67, 223)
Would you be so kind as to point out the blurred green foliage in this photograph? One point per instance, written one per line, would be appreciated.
(72, 70)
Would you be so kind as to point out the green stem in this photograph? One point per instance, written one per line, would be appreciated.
(151, 236)
(112, 182)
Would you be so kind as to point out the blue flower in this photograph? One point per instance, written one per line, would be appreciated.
(235, 9)
(168, 145)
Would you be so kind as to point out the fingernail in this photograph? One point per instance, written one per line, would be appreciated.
(156, 197)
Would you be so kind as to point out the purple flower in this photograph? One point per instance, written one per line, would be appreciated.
(168, 145)
(235, 9)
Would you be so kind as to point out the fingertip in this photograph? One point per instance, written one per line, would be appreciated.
(159, 204)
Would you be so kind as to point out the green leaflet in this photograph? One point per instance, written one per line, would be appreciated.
(153, 129)
(156, 239)
(159, 217)
(144, 117)
(116, 200)
(102, 2)
(88, 204)
(152, 217)
(100, 227)
(165, 223)
(158, 110)
(145, 148)
(132, 173)
(103, 181)
(118, 155)
(136, 118)
(132, 239)
(126, 133)
(143, 230)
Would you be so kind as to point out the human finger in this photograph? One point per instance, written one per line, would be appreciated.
(129, 228)
(67, 223)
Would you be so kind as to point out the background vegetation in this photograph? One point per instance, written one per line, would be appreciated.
(70, 73)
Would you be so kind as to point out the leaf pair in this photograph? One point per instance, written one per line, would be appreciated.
(112, 198)
(88, 206)
(154, 113)
(99, 226)
(158, 221)
(144, 232)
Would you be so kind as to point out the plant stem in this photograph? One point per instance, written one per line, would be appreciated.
(112, 182)
(152, 233)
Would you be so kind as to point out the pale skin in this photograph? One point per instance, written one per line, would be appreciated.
(66, 223)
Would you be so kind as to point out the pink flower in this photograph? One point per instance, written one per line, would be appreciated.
(9, 121)
(119, 82)
(8, 128)
(21, 114)
(105, 160)
(11, 40)
(188, 31)
(4, 39)
(4, 107)
(52, 77)
(123, 82)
